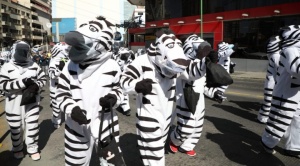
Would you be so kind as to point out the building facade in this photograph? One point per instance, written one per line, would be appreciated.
(25, 20)
(248, 23)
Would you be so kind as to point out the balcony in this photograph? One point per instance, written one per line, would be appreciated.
(17, 36)
(26, 36)
(34, 13)
(5, 23)
(16, 26)
(25, 27)
(15, 15)
(37, 37)
(37, 7)
(36, 22)
(43, 3)
(6, 34)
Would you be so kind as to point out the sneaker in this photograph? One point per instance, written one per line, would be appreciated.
(127, 113)
(191, 153)
(292, 153)
(19, 155)
(173, 147)
(35, 156)
(267, 149)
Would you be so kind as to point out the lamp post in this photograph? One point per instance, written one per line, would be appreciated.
(201, 17)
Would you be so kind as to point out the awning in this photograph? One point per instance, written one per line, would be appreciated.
(185, 29)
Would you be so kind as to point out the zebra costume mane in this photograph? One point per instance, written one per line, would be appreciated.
(60, 50)
(225, 49)
(124, 57)
(167, 55)
(273, 45)
(191, 45)
(290, 36)
(90, 45)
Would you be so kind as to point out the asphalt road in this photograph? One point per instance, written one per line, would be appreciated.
(230, 135)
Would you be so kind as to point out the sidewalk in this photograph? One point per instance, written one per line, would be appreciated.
(247, 75)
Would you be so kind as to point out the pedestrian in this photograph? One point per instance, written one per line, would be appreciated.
(44, 63)
(189, 127)
(273, 52)
(16, 76)
(87, 86)
(284, 117)
(152, 77)
(57, 63)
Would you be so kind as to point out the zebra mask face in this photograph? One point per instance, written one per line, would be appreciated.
(90, 41)
(169, 57)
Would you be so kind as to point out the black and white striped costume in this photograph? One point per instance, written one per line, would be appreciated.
(88, 76)
(159, 67)
(189, 126)
(284, 117)
(59, 55)
(224, 52)
(21, 119)
(273, 52)
(124, 58)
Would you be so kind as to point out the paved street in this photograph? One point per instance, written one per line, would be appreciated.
(230, 136)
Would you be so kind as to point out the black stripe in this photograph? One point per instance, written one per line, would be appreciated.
(146, 129)
(276, 127)
(148, 139)
(295, 59)
(143, 118)
(73, 132)
(74, 149)
(150, 148)
(270, 132)
(134, 70)
(284, 100)
(62, 76)
(73, 157)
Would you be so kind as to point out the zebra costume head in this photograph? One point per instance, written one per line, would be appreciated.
(190, 46)
(20, 53)
(91, 41)
(60, 49)
(124, 56)
(273, 45)
(290, 35)
(167, 55)
(225, 49)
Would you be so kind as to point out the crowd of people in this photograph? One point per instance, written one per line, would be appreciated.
(160, 77)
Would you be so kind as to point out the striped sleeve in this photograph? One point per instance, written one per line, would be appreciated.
(195, 70)
(131, 75)
(54, 72)
(41, 77)
(117, 90)
(63, 95)
(8, 84)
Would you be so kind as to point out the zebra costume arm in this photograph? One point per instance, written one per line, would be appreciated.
(117, 90)
(291, 60)
(195, 70)
(271, 73)
(54, 72)
(41, 77)
(8, 84)
(130, 76)
(64, 98)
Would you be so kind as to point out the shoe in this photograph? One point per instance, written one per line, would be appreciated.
(173, 147)
(127, 113)
(35, 156)
(267, 149)
(292, 153)
(56, 126)
(19, 155)
(191, 153)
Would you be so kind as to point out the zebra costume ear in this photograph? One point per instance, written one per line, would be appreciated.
(290, 35)
(273, 44)
(191, 45)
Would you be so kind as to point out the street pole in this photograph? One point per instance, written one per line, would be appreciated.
(201, 17)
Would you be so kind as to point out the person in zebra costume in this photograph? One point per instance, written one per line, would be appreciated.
(59, 58)
(284, 117)
(189, 126)
(124, 58)
(225, 50)
(18, 74)
(88, 85)
(273, 52)
(152, 77)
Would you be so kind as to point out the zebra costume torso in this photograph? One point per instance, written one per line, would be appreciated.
(284, 114)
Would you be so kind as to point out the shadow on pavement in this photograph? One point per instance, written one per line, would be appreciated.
(7, 159)
(131, 154)
(245, 113)
(46, 129)
(247, 105)
(239, 144)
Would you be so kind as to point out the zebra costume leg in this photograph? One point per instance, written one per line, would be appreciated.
(125, 104)
(189, 126)
(56, 112)
(292, 135)
(152, 136)
(80, 139)
(31, 128)
(264, 111)
(16, 131)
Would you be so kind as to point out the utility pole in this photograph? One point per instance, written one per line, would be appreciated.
(201, 17)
